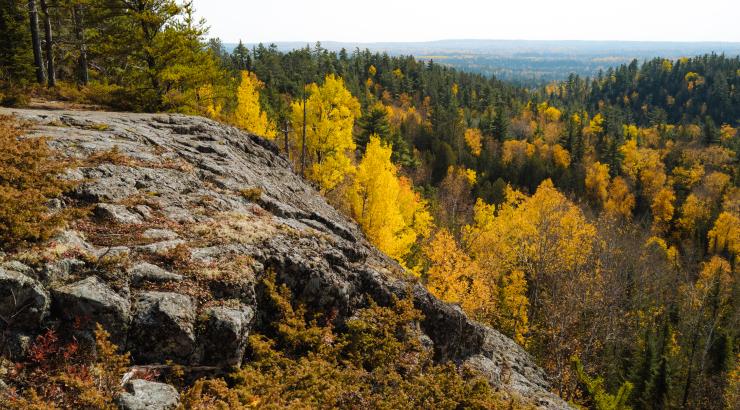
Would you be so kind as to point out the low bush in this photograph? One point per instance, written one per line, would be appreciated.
(65, 375)
(29, 177)
(376, 362)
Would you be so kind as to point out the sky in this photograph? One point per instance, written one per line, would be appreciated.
(427, 20)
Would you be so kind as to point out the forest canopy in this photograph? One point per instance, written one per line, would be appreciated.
(596, 221)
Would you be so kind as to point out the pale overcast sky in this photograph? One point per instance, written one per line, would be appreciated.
(425, 20)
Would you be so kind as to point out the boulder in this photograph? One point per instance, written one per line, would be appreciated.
(92, 301)
(224, 336)
(144, 271)
(159, 234)
(160, 247)
(146, 395)
(117, 213)
(24, 303)
(61, 269)
(19, 267)
(16, 345)
(73, 240)
(162, 328)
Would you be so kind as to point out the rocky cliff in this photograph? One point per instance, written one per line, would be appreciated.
(169, 191)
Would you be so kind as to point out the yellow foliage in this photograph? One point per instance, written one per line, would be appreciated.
(539, 238)
(208, 102)
(694, 211)
(716, 279)
(644, 166)
(330, 116)
(596, 125)
(630, 131)
(249, 115)
(715, 184)
(471, 176)
(560, 156)
(473, 139)
(390, 213)
(414, 208)
(516, 152)
(727, 133)
(725, 235)
(670, 252)
(452, 274)
(620, 200)
(667, 65)
(688, 177)
(597, 182)
(514, 304)
(662, 208)
(552, 114)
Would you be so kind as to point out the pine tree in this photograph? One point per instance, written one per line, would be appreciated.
(16, 59)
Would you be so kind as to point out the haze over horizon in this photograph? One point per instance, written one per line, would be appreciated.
(569, 20)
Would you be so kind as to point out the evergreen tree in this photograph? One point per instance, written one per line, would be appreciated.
(16, 67)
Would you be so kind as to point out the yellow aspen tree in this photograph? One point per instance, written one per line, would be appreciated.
(662, 209)
(207, 102)
(552, 114)
(514, 304)
(596, 125)
(560, 156)
(516, 153)
(330, 117)
(597, 182)
(694, 212)
(473, 138)
(390, 213)
(725, 234)
(620, 200)
(414, 209)
(450, 271)
(643, 166)
(714, 185)
(546, 238)
(249, 115)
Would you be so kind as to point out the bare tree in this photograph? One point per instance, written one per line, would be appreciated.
(50, 71)
(36, 42)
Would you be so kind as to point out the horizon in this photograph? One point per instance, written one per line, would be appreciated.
(311, 42)
(416, 21)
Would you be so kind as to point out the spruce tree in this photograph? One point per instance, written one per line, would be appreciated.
(15, 54)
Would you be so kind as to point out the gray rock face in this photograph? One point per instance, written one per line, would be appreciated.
(117, 213)
(162, 328)
(191, 172)
(159, 247)
(146, 395)
(144, 271)
(24, 302)
(92, 301)
(74, 241)
(159, 234)
(224, 336)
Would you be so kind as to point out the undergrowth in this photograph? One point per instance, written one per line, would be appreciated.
(29, 177)
(377, 362)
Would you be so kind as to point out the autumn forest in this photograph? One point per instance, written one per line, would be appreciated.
(595, 220)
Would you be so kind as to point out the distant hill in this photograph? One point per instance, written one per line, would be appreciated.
(530, 61)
